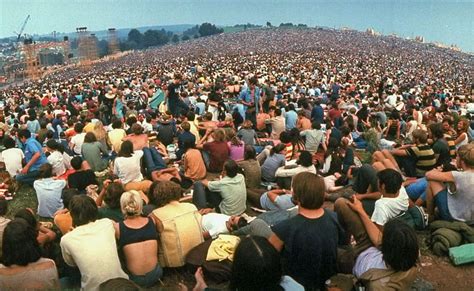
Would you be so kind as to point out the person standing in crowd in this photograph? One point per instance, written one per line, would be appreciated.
(174, 101)
(251, 99)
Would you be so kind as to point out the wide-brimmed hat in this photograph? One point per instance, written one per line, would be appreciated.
(110, 95)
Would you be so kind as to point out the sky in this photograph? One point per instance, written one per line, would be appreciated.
(447, 21)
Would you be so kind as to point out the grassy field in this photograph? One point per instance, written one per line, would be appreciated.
(25, 197)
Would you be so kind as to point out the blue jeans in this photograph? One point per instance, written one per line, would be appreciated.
(153, 160)
(204, 198)
(441, 201)
(149, 279)
(417, 190)
(27, 178)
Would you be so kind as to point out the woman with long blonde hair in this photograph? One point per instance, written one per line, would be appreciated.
(100, 133)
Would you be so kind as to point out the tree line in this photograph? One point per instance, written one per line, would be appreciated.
(152, 37)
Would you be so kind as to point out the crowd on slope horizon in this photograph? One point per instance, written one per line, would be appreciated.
(161, 159)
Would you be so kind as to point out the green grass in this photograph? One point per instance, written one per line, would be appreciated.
(25, 197)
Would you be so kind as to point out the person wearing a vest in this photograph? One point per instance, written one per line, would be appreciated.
(179, 224)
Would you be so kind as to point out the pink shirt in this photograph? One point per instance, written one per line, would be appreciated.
(236, 152)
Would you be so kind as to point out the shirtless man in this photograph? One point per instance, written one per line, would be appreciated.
(137, 137)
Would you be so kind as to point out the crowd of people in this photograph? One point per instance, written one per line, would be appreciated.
(235, 148)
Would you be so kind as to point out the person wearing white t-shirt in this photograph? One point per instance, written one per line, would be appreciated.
(91, 245)
(12, 157)
(78, 139)
(369, 232)
(214, 224)
(390, 206)
(128, 169)
(55, 158)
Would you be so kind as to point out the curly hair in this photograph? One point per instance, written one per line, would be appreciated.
(165, 192)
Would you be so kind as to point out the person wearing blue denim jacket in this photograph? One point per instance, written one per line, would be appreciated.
(252, 102)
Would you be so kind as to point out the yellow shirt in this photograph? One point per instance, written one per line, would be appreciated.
(89, 127)
(115, 138)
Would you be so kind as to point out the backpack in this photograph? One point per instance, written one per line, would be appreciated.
(415, 217)
(380, 279)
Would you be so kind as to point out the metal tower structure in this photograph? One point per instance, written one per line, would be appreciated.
(31, 59)
(87, 46)
(113, 41)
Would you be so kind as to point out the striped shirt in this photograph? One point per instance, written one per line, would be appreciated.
(425, 158)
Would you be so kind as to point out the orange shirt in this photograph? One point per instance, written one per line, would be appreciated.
(63, 222)
(194, 167)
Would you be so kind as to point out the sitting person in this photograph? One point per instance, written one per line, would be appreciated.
(179, 224)
(11, 156)
(252, 173)
(94, 237)
(247, 134)
(78, 139)
(138, 139)
(3, 220)
(62, 218)
(138, 240)
(193, 164)
(44, 235)
(271, 164)
(156, 166)
(256, 266)
(83, 175)
(392, 247)
(236, 146)
(34, 158)
(127, 168)
(451, 192)
(303, 164)
(365, 183)
(309, 240)
(216, 152)
(23, 267)
(48, 192)
(166, 129)
(116, 135)
(314, 138)
(414, 160)
(227, 195)
(184, 137)
(55, 158)
(95, 153)
(393, 201)
(110, 194)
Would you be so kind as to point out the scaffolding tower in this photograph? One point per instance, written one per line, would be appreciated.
(31, 59)
(113, 41)
(87, 46)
